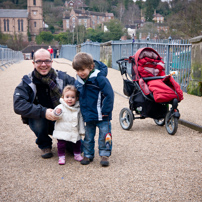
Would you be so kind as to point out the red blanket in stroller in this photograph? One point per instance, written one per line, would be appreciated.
(163, 90)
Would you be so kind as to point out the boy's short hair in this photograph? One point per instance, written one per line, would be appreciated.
(68, 88)
(82, 61)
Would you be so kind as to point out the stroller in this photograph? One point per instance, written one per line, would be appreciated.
(149, 90)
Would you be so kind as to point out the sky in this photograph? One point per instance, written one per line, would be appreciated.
(161, 0)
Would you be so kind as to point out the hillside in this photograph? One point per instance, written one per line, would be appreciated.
(182, 17)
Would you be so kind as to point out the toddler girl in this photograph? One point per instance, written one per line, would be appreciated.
(70, 124)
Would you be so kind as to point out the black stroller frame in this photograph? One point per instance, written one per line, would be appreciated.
(143, 106)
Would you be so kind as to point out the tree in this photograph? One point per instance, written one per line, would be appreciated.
(95, 35)
(149, 29)
(186, 17)
(163, 9)
(58, 3)
(115, 28)
(99, 6)
(140, 4)
(14, 42)
(150, 5)
(64, 37)
(132, 14)
(45, 37)
(127, 3)
(149, 11)
(51, 28)
(120, 11)
(80, 32)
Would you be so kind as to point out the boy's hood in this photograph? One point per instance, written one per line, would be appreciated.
(102, 67)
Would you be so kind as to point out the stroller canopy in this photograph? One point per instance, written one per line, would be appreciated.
(146, 58)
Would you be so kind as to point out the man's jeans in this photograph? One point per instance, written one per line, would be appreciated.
(89, 142)
(42, 129)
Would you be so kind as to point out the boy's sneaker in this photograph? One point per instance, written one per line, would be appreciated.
(61, 160)
(78, 157)
(86, 161)
(46, 153)
(104, 161)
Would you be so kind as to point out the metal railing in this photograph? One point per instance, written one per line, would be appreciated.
(177, 57)
(8, 57)
(92, 48)
(68, 51)
(175, 54)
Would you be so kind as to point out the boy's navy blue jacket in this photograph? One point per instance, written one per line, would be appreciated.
(96, 95)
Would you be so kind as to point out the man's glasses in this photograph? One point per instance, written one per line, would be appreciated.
(40, 62)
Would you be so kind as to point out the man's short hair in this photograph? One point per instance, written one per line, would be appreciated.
(41, 50)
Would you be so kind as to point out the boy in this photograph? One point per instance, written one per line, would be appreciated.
(96, 99)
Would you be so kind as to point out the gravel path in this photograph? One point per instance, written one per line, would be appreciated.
(147, 164)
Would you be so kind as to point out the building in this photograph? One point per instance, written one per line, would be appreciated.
(163, 27)
(21, 21)
(82, 17)
(76, 4)
(158, 18)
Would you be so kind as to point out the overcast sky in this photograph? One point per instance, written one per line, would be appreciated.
(161, 0)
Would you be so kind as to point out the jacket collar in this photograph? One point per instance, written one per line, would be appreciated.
(92, 76)
(75, 107)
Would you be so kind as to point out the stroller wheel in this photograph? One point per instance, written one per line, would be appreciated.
(126, 118)
(171, 123)
(159, 122)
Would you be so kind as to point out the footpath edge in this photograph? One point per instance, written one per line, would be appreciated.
(181, 121)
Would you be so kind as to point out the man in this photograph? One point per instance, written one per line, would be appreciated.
(37, 95)
(51, 51)
(55, 52)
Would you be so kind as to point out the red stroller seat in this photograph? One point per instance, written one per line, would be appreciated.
(148, 69)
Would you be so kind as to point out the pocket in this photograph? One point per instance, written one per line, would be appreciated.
(128, 87)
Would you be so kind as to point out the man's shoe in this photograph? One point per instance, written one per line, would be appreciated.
(86, 161)
(104, 161)
(46, 153)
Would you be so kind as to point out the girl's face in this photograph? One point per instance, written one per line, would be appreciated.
(70, 97)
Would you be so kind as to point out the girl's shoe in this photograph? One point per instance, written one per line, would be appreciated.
(78, 157)
(61, 160)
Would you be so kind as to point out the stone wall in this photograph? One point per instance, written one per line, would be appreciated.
(106, 53)
(195, 84)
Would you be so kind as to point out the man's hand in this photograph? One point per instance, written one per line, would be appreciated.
(58, 111)
(50, 115)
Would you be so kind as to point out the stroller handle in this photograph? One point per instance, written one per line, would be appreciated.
(120, 61)
(153, 78)
(122, 65)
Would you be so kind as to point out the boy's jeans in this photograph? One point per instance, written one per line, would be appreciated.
(42, 128)
(89, 142)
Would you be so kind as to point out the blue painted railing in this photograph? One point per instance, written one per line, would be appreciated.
(8, 57)
(175, 54)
